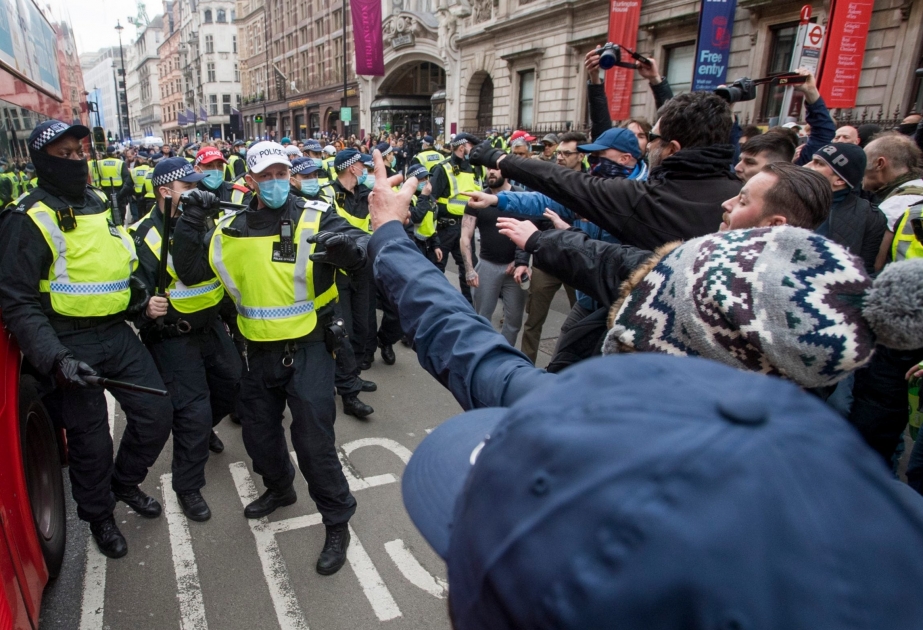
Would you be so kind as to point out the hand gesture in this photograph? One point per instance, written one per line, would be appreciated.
(809, 87)
(650, 72)
(556, 220)
(591, 63)
(517, 231)
(479, 200)
(385, 204)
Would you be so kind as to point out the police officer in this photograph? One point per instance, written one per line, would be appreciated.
(450, 179)
(211, 163)
(192, 349)
(29, 180)
(313, 150)
(357, 292)
(330, 153)
(9, 183)
(423, 211)
(189, 151)
(387, 153)
(428, 156)
(65, 289)
(139, 179)
(236, 166)
(278, 259)
(111, 175)
(306, 184)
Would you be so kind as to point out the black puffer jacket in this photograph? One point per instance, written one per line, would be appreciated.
(681, 199)
(856, 225)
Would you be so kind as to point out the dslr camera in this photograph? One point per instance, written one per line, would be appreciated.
(740, 90)
(610, 56)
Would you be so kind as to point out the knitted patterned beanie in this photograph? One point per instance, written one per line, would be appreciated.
(780, 300)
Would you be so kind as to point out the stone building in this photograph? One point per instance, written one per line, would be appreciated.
(519, 63)
(143, 80)
(199, 72)
(104, 80)
(295, 87)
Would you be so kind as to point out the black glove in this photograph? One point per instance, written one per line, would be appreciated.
(485, 155)
(198, 206)
(137, 303)
(339, 250)
(68, 371)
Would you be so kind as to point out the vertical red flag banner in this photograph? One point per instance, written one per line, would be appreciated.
(624, 16)
(841, 65)
(370, 54)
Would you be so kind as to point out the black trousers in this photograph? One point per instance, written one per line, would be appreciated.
(427, 249)
(115, 352)
(389, 332)
(880, 408)
(346, 376)
(450, 237)
(307, 386)
(202, 373)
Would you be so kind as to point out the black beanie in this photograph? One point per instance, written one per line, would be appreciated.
(847, 161)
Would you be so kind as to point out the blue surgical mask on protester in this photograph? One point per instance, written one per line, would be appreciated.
(274, 192)
(213, 179)
(310, 187)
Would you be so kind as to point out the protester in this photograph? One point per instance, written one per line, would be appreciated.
(761, 150)
(847, 134)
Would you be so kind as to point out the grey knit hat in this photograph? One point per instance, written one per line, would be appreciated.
(781, 301)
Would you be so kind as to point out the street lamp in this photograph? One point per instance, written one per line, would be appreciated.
(119, 28)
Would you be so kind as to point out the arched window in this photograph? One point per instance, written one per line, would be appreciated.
(222, 16)
(208, 16)
(486, 104)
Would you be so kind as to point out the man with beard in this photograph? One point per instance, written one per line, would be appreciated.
(65, 292)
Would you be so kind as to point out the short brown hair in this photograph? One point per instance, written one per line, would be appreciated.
(801, 195)
(695, 119)
(778, 147)
(900, 150)
(641, 122)
(573, 136)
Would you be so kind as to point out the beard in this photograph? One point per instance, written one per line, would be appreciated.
(495, 182)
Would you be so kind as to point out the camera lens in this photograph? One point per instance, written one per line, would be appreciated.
(607, 59)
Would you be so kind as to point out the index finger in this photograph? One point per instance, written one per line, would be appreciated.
(395, 180)
(381, 173)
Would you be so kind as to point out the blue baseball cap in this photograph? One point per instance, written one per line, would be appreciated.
(303, 166)
(617, 138)
(312, 145)
(47, 132)
(175, 169)
(417, 170)
(650, 491)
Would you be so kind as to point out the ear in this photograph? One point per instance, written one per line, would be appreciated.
(674, 147)
(773, 220)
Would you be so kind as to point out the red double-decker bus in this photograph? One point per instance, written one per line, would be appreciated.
(40, 78)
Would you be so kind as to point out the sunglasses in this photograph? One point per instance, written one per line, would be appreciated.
(651, 136)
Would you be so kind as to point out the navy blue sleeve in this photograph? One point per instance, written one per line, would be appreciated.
(822, 130)
(453, 343)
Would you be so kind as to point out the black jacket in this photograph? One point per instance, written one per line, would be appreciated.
(595, 267)
(600, 120)
(856, 225)
(681, 199)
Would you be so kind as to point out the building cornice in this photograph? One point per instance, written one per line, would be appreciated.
(526, 19)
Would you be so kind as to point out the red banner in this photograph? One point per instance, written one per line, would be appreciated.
(841, 63)
(370, 55)
(623, 30)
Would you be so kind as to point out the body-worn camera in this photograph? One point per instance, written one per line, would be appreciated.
(744, 89)
(610, 56)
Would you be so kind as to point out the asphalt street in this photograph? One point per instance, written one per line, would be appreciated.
(231, 573)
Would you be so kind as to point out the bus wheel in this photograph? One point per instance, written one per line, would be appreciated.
(42, 467)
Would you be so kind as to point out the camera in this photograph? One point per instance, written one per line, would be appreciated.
(610, 56)
(740, 90)
(919, 73)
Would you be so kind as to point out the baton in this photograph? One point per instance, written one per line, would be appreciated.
(108, 382)
(114, 200)
(163, 272)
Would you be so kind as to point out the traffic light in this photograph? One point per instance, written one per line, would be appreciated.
(257, 118)
(99, 139)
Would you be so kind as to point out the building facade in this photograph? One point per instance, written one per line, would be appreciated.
(295, 87)
(199, 70)
(143, 79)
(104, 80)
(519, 63)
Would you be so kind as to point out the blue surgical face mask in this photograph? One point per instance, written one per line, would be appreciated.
(421, 186)
(318, 162)
(243, 152)
(393, 162)
(310, 187)
(213, 179)
(362, 178)
(274, 192)
(369, 181)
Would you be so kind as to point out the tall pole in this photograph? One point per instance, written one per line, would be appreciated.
(119, 28)
(344, 69)
(266, 37)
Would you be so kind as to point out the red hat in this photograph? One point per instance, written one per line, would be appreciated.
(208, 154)
(522, 134)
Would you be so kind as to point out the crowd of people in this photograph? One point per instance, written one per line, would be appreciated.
(747, 479)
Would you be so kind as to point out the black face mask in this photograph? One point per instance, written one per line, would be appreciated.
(60, 176)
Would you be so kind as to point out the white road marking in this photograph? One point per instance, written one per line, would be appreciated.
(411, 569)
(353, 478)
(297, 522)
(370, 580)
(288, 612)
(110, 410)
(395, 447)
(94, 588)
(188, 589)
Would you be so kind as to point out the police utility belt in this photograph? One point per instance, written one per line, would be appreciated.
(441, 223)
(179, 328)
(71, 324)
(331, 330)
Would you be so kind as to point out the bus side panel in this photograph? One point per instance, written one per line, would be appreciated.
(19, 529)
(13, 613)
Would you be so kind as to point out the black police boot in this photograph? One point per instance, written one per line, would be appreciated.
(333, 556)
(215, 445)
(135, 498)
(368, 386)
(366, 362)
(406, 341)
(234, 418)
(352, 406)
(108, 538)
(387, 354)
(194, 506)
(269, 501)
